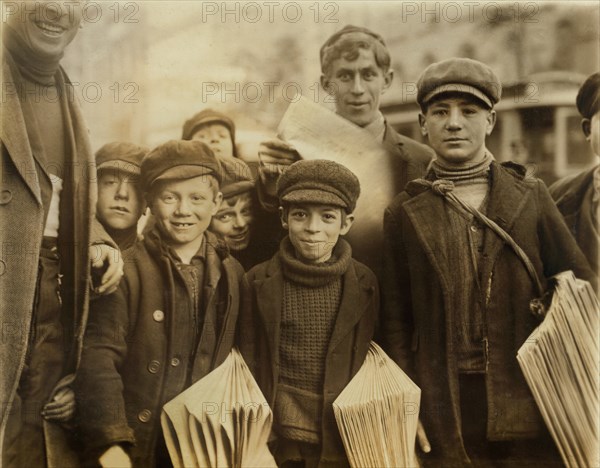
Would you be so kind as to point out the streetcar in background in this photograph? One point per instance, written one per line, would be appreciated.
(537, 125)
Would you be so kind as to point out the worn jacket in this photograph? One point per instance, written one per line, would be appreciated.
(23, 195)
(134, 359)
(418, 317)
(573, 196)
(259, 336)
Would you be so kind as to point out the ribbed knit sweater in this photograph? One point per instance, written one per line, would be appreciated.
(311, 301)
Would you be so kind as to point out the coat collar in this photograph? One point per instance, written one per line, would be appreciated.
(570, 201)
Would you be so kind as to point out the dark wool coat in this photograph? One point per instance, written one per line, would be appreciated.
(573, 196)
(259, 329)
(418, 319)
(23, 196)
(137, 353)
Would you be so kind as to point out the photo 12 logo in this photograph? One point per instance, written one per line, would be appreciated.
(270, 12)
(89, 11)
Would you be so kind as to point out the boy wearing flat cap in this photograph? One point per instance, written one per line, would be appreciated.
(456, 296)
(120, 199)
(577, 197)
(309, 314)
(171, 321)
(213, 128)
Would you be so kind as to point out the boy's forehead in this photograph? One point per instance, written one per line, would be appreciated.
(198, 183)
(364, 60)
(242, 198)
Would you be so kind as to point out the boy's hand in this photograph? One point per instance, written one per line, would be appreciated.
(104, 256)
(273, 158)
(62, 407)
(422, 439)
(115, 457)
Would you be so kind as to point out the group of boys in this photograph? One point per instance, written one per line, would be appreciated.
(455, 303)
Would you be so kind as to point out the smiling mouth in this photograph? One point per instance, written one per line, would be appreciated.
(119, 209)
(50, 29)
(239, 237)
(179, 225)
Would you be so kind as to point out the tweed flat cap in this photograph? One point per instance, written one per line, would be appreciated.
(206, 116)
(588, 97)
(347, 30)
(459, 75)
(124, 156)
(319, 181)
(179, 159)
(237, 178)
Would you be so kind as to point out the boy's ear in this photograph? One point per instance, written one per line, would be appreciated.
(347, 224)
(284, 223)
(586, 126)
(423, 124)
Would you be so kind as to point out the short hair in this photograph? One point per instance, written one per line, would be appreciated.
(348, 46)
(213, 184)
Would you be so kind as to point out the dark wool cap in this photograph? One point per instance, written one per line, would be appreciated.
(319, 181)
(588, 97)
(207, 116)
(179, 159)
(124, 156)
(459, 75)
(237, 177)
(347, 30)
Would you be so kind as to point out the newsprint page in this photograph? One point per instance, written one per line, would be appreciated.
(299, 233)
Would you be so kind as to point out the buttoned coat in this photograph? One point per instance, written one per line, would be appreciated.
(259, 332)
(138, 351)
(23, 196)
(573, 196)
(418, 317)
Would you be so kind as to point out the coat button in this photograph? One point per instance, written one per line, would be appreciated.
(2, 267)
(5, 197)
(145, 415)
(474, 228)
(175, 362)
(158, 315)
(153, 366)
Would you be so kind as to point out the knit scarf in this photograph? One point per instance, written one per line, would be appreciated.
(33, 66)
(314, 275)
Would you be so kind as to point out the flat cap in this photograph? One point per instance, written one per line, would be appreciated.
(348, 29)
(121, 155)
(319, 181)
(588, 97)
(206, 116)
(237, 177)
(459, 75)
(179, 159)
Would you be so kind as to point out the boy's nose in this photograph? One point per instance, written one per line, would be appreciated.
(240, 221)
(122, 191)
(357, 85)
(454, 119)
(183, 208)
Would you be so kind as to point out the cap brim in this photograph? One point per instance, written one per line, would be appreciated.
(314, 196)
(121, 166)
(232, 190)
(186, 171)
(458, 88)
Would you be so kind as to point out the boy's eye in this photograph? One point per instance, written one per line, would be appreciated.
(224, 217)
(329, 217)
(345, 76)
(369, 74)
(298, 214)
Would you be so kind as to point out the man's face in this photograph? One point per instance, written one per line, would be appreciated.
(591, 129)
(47, 27)
(233, 221)
(183, 209)
(357, 87)
(217, 137)
(315, 229)
(120, 202)
(457, 126)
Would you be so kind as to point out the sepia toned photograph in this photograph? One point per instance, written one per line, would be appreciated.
(299, 233)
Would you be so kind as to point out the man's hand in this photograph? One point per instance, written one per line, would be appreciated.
(422, 440)
(62, 407)
(274, 156)
(105, 257)
(115, 457)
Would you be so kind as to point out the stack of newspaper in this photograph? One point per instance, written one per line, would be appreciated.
(223, 420)
(378, 412)
(560, 364)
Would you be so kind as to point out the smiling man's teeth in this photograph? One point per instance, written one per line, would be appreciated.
(50, 27)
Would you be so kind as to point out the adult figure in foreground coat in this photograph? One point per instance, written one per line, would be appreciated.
(355, 66)
(47, 208)
(456, 297)
(578, 196)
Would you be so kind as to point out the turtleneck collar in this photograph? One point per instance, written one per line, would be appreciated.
(314, 275)
(124, 238)
(33, 66)
(468, 172)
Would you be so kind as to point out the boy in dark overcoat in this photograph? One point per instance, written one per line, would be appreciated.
(171, 321)
(309, 313)
(456, 296)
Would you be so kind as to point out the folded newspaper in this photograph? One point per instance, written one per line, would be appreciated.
(223, 420)
(377, 414)
(560, 364)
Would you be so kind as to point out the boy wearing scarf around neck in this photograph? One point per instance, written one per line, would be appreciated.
(456, 297)
(309, 313)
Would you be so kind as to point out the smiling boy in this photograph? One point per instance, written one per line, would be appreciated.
(456, 297)
(309, 313)
(171, 321)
